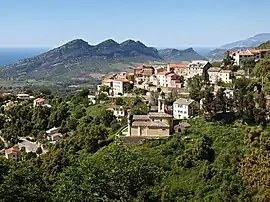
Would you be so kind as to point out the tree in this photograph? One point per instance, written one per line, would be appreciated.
(248, 65)
(262, 68)
(228, 61)
(127, 174)
(60, 114)
(107, 117)
(103, 96)
(221, 101)
(39, 151)
(217, 64)
(195, 85)
(24, 184)
(119, 101)
(105, 88)
(209, 104)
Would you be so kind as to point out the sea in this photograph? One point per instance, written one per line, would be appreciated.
(11, 55)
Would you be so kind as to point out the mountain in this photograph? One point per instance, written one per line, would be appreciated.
(253, 41)
(78, 59)
(175, 55)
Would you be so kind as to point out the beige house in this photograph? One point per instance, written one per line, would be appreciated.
(154, 124)
(13, 154)
(217, 74)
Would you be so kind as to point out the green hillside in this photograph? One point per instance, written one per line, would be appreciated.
(265, 45)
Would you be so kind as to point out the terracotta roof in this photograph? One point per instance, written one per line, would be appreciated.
(107, 80)
(122, 80)
(246, 52)
(139, 67)
(11, 150)
(38, 100)
(178, 65)
(110, 109)
(162, 73)
(254, 51)
(184, 101)
(226, 71)
(214, 69)
(159, 115)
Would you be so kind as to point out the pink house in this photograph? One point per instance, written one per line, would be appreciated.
(173, 80)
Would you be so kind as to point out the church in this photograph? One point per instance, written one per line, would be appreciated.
(154, 124)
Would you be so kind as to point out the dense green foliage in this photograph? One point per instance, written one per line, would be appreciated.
(208, 162)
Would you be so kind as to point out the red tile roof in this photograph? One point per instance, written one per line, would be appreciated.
(225, 71)
(39, 100)
(11, 150)
(178, 65)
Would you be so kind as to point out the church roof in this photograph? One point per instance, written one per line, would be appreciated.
(159, 115)
(157, 124)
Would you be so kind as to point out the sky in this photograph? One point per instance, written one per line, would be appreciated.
(158, 23)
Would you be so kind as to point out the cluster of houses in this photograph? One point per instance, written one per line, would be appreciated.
(171, 76)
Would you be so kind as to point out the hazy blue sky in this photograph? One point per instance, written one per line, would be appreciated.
(160, 23)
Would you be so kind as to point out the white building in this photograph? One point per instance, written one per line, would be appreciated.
(198, 67)
(225, 76)
(183, 108)
(213, 73)
(23, 96)
(92, 99)
(228, 93)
